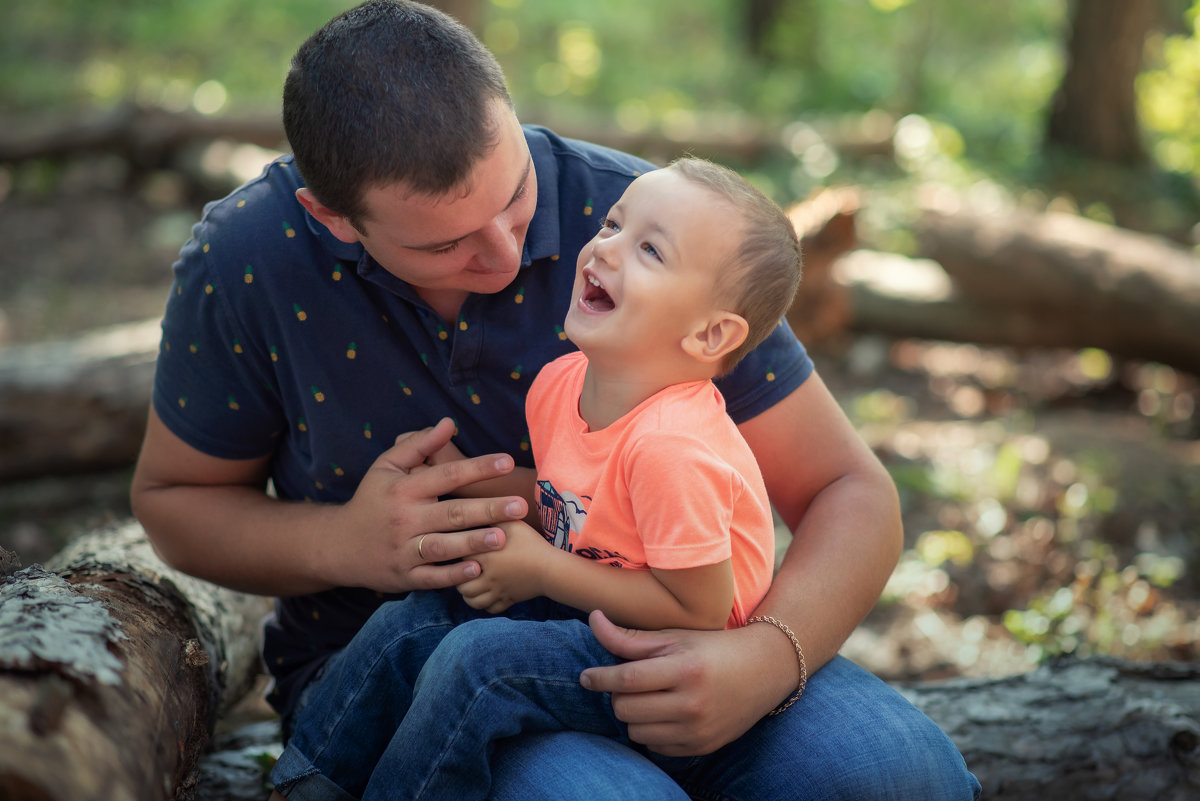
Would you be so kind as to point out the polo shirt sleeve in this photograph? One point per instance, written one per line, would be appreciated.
(213, 386)
(767, 375)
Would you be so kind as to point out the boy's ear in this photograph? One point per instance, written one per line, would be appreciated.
(338, 225)
(722, 334)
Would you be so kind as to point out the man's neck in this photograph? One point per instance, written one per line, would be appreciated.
(446, 302)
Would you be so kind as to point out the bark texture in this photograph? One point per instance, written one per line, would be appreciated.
(1094, 111)
(113, 671)
(1090, 730)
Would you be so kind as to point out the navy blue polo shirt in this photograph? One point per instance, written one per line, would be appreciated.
(280, 339)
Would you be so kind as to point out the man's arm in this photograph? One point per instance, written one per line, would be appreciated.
(687, 692)
(212, 518)
(528, 566)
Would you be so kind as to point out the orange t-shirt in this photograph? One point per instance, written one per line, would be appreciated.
(670, 485)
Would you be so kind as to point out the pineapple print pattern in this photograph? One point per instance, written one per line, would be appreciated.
(343, 357)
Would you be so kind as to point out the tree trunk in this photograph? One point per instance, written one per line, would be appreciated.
(113, 670)
(1076, 729)
(1094, 111)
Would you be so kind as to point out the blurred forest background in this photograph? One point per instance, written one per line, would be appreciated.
(1051, 485)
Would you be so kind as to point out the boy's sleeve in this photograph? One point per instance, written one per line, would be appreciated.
(683, 498)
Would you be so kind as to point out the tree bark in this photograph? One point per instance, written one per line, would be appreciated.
(1094, 111)
(113, 670)
(1076, 729)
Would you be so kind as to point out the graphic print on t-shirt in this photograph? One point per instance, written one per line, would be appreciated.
(562, 514)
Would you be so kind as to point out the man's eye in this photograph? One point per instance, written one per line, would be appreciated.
(448, 249)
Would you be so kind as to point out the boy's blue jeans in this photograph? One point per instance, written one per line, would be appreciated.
(434, 700)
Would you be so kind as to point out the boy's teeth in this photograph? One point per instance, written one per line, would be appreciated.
(592, 280)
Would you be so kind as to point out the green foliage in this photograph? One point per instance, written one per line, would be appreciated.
(980, 75)
(63, 53)
(1167, 95)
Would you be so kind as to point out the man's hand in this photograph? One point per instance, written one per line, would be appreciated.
(513, 574)
(684, 692)
(395, 530)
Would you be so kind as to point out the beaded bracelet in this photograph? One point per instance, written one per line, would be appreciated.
(791, 635)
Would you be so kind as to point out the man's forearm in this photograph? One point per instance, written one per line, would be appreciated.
(240, 538)
(840, 558)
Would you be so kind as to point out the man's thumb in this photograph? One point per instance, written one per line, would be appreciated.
(620, 641)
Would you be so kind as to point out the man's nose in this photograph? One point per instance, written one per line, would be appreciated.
(501, 242)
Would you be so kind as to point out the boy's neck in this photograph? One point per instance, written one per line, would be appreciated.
(611, 391)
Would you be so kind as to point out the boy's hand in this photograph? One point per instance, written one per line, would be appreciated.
(512, 574)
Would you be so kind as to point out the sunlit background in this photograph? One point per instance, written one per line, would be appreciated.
(1051, 496)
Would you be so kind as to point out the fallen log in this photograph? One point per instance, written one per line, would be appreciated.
(1072, 281)
(117, 666)
(1076, 729)
(76, 405)
(113, 671)
(149, 136)
(1071, 730)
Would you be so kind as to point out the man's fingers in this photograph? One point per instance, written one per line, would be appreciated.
(459, 514)
(623, 642)
(445, 547)
(448, 477)
(432, 577)
(413, 448)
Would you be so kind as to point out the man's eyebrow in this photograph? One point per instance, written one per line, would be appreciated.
(516, 195)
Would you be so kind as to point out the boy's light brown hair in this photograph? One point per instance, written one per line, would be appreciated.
(761, 280)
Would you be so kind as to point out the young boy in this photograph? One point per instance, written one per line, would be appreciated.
(638, 467)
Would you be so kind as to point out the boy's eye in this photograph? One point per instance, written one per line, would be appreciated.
(607, 222)
(651, 250)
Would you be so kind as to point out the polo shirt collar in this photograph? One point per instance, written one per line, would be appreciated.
(542, 239)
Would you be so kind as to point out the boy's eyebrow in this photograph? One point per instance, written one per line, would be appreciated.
(515, 196)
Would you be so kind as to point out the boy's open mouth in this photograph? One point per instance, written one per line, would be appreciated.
(594, 297)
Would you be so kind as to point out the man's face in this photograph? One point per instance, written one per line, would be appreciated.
(468, 240)
(646, 280)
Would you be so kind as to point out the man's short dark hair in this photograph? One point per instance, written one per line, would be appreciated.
(390, 91)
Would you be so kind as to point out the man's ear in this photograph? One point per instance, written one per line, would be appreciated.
(338, 225)
(720, 335)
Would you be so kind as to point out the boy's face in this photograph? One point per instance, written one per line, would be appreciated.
(647, 278)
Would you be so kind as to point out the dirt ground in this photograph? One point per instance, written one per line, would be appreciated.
(1051, 499)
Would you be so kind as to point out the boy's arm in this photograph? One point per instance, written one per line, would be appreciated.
(709, 688)
(528, 566)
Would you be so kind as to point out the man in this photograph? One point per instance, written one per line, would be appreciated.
(412, 263)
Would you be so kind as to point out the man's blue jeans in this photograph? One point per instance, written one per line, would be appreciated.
(377, 726)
